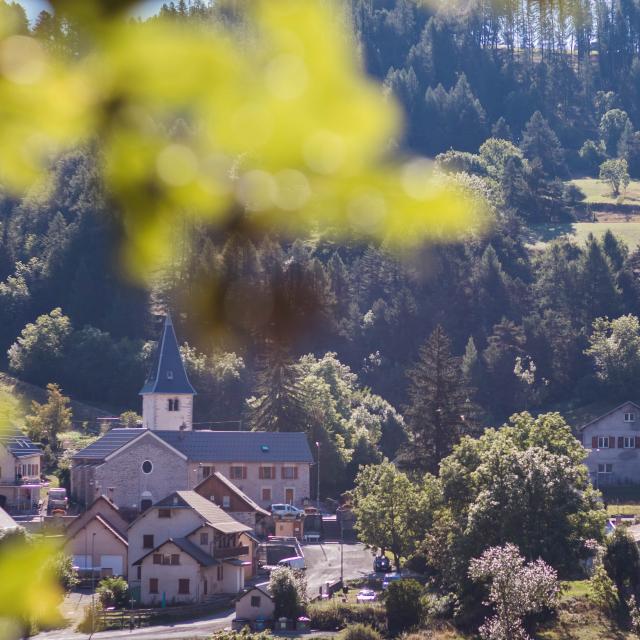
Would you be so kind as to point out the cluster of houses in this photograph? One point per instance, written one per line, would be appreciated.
(177, 511)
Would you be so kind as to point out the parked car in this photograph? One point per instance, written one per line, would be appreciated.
(286, 510)
(366, 595)
(295, 562)
(389, 578)
(57, 501)
(381, 564)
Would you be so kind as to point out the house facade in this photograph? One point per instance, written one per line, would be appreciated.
(255, 603)
(221, 491)
(186, 549)
(613, 444)
(137, 467)
(97, 540)
(20, 473)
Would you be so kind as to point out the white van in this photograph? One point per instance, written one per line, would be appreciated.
(296, 562)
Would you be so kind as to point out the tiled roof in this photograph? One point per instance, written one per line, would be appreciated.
(211, 513)
(108, 443)
(188, 547)
(19, 445)
(213, 446)
(239, 446)
(167, 373)
(254, 506)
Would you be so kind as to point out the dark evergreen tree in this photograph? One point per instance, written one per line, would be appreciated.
(437, 413)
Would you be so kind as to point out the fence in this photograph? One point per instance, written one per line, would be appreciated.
(132, 618)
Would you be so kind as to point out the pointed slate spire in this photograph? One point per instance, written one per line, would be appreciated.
(167, 374)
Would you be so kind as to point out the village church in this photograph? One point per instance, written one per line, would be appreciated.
(136, 467)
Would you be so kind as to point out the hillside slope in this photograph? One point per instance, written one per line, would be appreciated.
(16, 397)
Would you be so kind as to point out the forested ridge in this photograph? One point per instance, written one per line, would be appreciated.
(343, 338)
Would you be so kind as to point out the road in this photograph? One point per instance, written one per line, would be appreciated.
(323, 565)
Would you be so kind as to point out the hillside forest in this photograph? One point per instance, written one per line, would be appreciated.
(363, 348)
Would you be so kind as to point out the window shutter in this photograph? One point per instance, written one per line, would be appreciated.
(295, 473)
(282, 473)
(637, 442)
(273, 472)
(594, 442)
(244, 473)
(261, 473)
(611, 442)
(620, 442)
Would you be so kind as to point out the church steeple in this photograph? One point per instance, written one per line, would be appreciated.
(167, 395)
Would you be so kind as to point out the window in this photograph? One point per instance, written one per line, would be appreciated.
(153, 585)
(164, 513)
(226, 501)
(629, 442)
(173, 404)
(603, 442)
(206, 472)
(204, 538)
(169, 375)
(238, 472)
(255, 601)
(139, 572)
(289, 473)
(629, 416)
(267, 473)
(220, 572)
(605, 468)
(175, 558)
(266, 494)
(157, 558)
(183, 586)
(147, 541)
(147, 467)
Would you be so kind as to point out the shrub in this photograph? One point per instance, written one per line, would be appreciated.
(622, 561)
(360, 632)
(92, 620)
(333, 614)
(403, 605)
(603, 591)
(113, 592)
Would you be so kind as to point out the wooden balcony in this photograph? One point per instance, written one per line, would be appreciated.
(230, 552)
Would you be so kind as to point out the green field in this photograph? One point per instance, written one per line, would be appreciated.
(597, 191)
(578, 232)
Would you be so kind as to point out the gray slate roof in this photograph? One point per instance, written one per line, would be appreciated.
(167, 373)
(239, 446)
(108, 443)
(213, 446)
(19, 445)
(210, 512)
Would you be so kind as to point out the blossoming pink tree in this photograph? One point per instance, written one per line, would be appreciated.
(516, 589)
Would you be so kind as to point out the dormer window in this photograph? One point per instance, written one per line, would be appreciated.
(169, 375)
(629, 416)
(174, 404)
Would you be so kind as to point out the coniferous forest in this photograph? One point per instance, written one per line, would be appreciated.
(360, 345)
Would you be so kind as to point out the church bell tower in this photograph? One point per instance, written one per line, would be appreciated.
(167, 395)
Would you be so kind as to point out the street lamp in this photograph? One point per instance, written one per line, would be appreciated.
(318, 487)
(93, 585)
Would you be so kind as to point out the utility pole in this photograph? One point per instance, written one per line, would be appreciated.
(93, 586)
(318, 487)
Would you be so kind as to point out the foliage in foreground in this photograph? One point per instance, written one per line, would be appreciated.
(334, 614)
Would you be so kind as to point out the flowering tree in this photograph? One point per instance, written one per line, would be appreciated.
(516, 589)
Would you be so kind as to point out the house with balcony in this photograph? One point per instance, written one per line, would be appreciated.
(135, 467)
(186, 549)
(20, 473)
(613, 444)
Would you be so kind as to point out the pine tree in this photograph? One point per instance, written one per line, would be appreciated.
(279, 403)
(438, 404)
(541, 144)
(501, 129)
